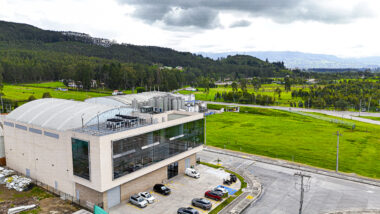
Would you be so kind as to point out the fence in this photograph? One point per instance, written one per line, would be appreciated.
(64, 196)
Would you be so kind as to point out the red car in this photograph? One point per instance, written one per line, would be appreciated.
(215, 195)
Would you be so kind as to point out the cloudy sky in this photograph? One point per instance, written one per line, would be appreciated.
(339, 27)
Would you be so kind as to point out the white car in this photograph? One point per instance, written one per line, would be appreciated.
(147, 196)
(138, 201)
(192, 173)
(221, 189)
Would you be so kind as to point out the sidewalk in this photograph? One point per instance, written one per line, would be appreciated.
(295, 166)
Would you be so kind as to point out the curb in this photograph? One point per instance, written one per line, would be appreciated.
(367, 181)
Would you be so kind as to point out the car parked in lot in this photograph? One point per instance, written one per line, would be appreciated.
(215, 195)
(233, 178)
(201, 203)
(187, 210)
(162, 189)
(138, 201)
(192, 173)
(147, 196)
(221, 189)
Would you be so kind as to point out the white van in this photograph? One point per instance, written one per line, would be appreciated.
(192, 173)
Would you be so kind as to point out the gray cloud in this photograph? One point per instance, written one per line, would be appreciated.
(240, 23)
(204, 13)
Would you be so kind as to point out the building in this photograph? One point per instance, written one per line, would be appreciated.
(100, 154)
(159, 101)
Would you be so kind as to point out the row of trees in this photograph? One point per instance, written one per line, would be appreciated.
(244, 97)
(342, 95)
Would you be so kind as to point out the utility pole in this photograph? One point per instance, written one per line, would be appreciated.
(337, 151)
(304, 186)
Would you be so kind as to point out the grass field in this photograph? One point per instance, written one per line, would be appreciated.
(304, 139)
(56, 84)
(266, 89)
(22, 93)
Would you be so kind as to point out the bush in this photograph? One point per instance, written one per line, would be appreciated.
(140, 89)
(46, 95)
(31, 98)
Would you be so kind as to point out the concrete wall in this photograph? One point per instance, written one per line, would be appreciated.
(146, 182)
(45, 157)
(88, 196)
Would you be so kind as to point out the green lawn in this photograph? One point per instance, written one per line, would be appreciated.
(372, 118)
(22, 93)
(289, 136)
(56, 84)
(266, 89)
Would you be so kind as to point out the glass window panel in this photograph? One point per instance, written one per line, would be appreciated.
(81, 160)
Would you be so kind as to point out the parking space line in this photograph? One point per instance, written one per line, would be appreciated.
(199, 209)
(131, 205)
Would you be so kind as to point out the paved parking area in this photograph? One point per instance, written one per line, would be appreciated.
(184, 189)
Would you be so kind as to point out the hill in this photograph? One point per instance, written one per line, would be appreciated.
(309, 60)
(27, 37)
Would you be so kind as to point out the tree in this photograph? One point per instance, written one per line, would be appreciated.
(288, 84)
(46, 95)
(278, 91)
(234, 86)
(84, 74)
(243, 84)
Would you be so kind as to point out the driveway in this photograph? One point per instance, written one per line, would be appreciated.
(184, 189)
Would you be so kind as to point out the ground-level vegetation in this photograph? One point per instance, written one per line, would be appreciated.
(299, 138)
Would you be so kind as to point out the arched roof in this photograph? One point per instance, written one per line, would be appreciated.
(57, 114)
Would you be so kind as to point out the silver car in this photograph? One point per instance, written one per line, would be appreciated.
(138, 201)
(147, 196)
(201, 203)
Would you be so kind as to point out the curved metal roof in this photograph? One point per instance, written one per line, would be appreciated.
(57, 114)
(126, 100)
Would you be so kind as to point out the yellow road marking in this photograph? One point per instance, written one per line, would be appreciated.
(250, 197)
(199, 209)
(131, 205)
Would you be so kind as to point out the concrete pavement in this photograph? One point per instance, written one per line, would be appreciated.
(326, 193)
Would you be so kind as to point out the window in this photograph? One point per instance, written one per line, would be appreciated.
(21, 127)
(134, 153)
(49, 134)
(36, 131)
(9, 124)
(81, 159)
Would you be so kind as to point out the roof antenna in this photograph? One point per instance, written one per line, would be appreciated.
(82, 121)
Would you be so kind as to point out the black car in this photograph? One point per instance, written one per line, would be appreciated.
(187, 210)
(162, 189)
(233, 178)
(201, 203)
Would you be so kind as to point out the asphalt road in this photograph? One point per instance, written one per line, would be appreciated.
(343, 114)
(281, 196)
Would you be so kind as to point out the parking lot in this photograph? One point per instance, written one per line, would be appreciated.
(184, 189)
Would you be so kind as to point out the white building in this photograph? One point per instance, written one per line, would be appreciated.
(100, 154)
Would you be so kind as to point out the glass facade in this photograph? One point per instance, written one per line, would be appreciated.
(81, 158)
(134, 153)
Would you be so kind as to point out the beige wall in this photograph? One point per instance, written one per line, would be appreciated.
(50, 159)
(45, 157)
(88, 196)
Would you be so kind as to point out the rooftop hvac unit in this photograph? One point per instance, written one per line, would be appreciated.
(166, 100)
(174, 104)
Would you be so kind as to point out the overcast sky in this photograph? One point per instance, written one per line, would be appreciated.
(339, 27)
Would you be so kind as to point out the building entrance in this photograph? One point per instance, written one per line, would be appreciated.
(173, 170)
